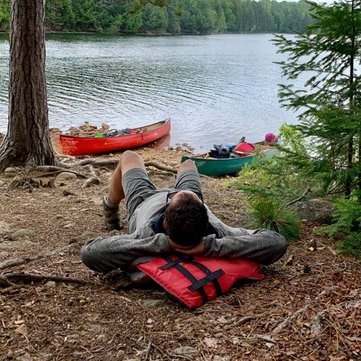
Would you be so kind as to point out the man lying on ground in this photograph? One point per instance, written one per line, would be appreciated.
(166, 221)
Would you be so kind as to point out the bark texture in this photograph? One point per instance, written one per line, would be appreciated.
(27, 142)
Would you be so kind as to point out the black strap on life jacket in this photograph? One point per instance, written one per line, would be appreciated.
(197, 285)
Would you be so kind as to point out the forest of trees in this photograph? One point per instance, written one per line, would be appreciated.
(175, 17)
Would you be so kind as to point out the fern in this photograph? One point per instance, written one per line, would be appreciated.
(347, 226)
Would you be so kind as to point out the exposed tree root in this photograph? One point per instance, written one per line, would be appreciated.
(4, 282)
(160, 167)
(53, 170)
(98, 163)
(114, 162)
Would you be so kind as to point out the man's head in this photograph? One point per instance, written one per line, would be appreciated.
(186, 219)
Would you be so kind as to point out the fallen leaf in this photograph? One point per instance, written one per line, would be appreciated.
(222, 319)
(22, 330)
(289, 261)
(210, 342)
(185, 350)
(236, 340)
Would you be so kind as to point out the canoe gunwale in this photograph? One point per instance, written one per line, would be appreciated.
(79, 145)
(161, 123)
(223, 166)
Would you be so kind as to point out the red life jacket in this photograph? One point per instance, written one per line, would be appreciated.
(244, 147)
(194, 281)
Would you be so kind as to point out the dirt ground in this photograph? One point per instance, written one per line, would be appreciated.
(307, 308)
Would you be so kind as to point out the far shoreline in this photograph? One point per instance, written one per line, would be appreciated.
(147, 34)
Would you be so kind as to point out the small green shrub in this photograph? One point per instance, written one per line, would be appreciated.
(269, 213)
(347, 226)
(351, 244)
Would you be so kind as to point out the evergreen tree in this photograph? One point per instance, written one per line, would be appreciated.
(330, 118)
(174, 16)
(155, 19)
(4, 14)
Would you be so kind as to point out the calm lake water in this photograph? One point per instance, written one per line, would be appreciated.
(215, 88)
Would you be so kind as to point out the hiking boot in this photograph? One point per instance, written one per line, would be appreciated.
(111, 216)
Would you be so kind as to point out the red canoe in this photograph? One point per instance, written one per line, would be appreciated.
(78, 145)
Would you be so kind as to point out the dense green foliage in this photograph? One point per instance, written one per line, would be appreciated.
(330, 103)
(4, 14)
(279, 177)
(271, 185)
(321, 154)
(175, 17)
(347, 226)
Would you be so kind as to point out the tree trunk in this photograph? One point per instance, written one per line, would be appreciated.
(27, 141)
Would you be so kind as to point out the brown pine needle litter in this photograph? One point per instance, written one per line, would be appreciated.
(53, 308)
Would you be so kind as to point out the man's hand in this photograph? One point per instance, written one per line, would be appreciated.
(198, 250)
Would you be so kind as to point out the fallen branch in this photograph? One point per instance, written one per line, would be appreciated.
(160, 166)
(287, 321)
(19, 261)
(99, 163)
(4, 282)
(303, 195)
(246, 319)
(31, 277)
(318, 322)
(10, 289)
(242, 320)
(164, 354)
(146, 357)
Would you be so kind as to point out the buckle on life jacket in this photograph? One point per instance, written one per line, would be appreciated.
(197, 284)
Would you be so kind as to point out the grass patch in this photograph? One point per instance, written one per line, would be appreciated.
(271, 214)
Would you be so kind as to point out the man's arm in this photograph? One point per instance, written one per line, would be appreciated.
(262, 246)
(104, 254)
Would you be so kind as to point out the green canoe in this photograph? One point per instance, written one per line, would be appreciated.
(223, 166)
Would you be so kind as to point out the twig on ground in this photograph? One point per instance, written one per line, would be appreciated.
(318, 322)
(243, 320)
(4, 282)
(98, 163)
(163, 353)
(31, 277)
(148, 351)
(287, 321)
(11, 289)
(246, 319)
(160, 166)
(19, 261)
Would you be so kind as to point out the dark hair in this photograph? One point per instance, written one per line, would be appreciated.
(187, 220)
